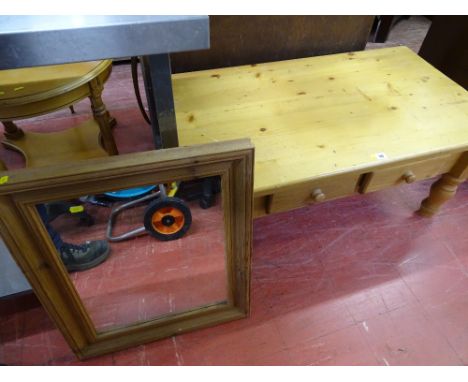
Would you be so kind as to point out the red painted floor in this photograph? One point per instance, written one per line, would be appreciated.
(357, 281)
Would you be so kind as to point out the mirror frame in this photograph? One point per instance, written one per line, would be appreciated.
(34, 252)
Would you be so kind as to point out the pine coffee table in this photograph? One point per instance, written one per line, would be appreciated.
(332, 126)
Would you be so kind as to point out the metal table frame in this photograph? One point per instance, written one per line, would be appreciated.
(27, 41)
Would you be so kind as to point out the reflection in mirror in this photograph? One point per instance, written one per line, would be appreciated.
(138, 254)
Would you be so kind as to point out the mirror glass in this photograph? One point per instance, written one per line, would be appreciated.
(142, 253)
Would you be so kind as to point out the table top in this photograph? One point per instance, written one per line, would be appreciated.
(25, 85)
(325, 115)
(27, 41)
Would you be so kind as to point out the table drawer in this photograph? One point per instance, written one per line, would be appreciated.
(314, 191)
(406, 173)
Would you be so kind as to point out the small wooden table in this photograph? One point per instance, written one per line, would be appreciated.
(25, 93)
(331, 126)
(27, 41)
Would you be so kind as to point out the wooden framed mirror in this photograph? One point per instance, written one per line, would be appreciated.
(169, 252)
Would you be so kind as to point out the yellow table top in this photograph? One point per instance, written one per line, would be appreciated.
(20, 86)
(323, 115)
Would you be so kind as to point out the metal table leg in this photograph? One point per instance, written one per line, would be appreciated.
(158, 86)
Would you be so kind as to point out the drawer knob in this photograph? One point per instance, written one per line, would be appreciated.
(318, 195)
(409, 177)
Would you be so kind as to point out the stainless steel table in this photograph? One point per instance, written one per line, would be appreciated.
(27, 41)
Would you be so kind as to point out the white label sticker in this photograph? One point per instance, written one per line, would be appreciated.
(381, 156)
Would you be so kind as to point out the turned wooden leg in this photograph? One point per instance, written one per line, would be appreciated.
(112, 121)
(445, 188)
(441, 191)
(102, 116)
(12, 131)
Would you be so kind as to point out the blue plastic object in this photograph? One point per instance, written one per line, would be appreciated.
(130, 192)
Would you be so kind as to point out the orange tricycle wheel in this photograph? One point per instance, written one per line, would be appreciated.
(168, 218)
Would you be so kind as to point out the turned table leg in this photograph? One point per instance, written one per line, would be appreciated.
(102, 116)
(12, 131)
(445, 188)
